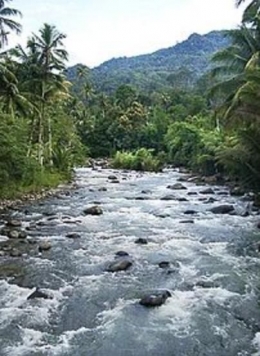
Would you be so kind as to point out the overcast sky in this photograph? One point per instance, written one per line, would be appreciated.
(98, 30)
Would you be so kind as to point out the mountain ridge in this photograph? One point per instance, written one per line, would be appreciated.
(151, 71)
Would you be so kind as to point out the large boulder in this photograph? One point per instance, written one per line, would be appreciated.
(222, 209)
(121, 254)
(119, 265)
(93, 210)
(155, 299)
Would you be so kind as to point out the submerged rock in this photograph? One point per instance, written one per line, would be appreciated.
(222, 209)
(39, 294)
(155, 300)
(164, 264)
(15, 253)
(93, 210)
(112, 177)
(141, 241)
(119, 265)
(187, 222)
(190, 212)
(169, 197)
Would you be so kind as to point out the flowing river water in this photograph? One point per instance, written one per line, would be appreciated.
(213, 276)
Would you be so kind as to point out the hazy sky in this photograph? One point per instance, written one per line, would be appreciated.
(98, 30)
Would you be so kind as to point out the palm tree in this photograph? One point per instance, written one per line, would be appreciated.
(51, 57)
(7, 23)
(251, 10)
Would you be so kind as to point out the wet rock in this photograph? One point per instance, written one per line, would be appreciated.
(44, 246)
(142, 198)
(102, 189)
(115, 181)
(207, 284)
(162, 216)
(164, 264)
(22, 235)
(93, 210)
(169, 197)
(146, 192)
(119, 265)
(141, 241)
(207, 191)
(121, 254)
(187, 222)
(192, 193)
(237, 191)
(176, 186)
(14, 223)
(39, 294)
(13, 234)
(112, 177)
(223, 193)
(15, 253)
(182, 179)
(210, 200)
(190, 212)
(73, 235)
(155, 300)
(182, 199)
(222, 209)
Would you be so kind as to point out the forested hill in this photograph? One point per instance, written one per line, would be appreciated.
(179, 65)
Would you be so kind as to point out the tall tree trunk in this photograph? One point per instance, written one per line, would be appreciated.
(40, 141)
(50, 142)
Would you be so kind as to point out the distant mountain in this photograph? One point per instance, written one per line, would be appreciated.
(181, 64)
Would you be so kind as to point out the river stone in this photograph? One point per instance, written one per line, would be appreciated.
(223, 193)
(13, 234)
(146, 192)
(155, 300)
(14, 223)
(192, 193)
(222, 209)
(237, 191)
(141, 241)
(44, 246)
(190, 212)
(169, 197)
(119, 265)
(187, 222)
(39, 294)
(121, 254)
(164, 264)
(176, 186)
(93, 210)
(115, 181)
(112, 177)
(102, 189)
(73, 235)
(22, 235)
(15, 253)
(210, 200)
(207, 191)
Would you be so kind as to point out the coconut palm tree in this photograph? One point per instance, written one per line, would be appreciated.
(7, 23)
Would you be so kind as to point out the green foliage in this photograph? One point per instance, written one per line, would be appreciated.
(193, 146)
(141, 160)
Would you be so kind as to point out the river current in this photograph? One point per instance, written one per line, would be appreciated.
(213, 274)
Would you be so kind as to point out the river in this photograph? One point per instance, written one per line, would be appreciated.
(213, 274)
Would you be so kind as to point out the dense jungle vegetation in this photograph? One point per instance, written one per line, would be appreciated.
(49, 125)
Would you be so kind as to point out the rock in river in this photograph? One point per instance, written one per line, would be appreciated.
(141, 241)
(14, 223)
(156, 299)
(222, 209)
(39, 294)
(176, 186)
(93, 210)
(45, 246)
(121, 254)
(207, 191)
(119, 265)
